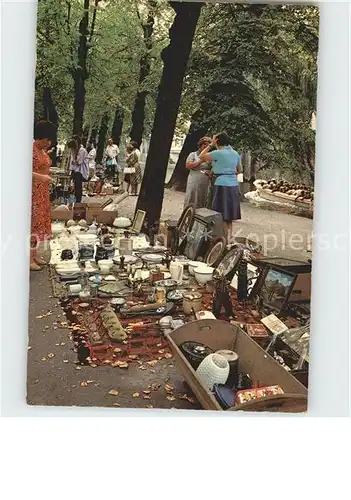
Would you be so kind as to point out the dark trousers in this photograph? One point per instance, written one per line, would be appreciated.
(78, 186)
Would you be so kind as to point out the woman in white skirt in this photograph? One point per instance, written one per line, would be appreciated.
(198, 181)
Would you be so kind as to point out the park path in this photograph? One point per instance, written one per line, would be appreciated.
(280, 233)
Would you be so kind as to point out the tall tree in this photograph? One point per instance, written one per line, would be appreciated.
(80, 67)
(138, 114)
(117, 126)
(102, 138)
(180, 173)
(50, 114)
(175, 58)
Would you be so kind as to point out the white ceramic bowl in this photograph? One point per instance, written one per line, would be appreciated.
(57, 228)
(192, 264)
(105, 265)
(86, 238)
(122, 222)
(67, 263)
(203, 274)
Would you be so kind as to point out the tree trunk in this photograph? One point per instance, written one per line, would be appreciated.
(80, 72)
(102, 138)
(175, 58)
(94, 135)
(117, 127)
(180, 173)
(85, 136)
(138, 114)
(51, 115)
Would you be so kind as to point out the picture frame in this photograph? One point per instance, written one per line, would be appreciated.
(138, 221)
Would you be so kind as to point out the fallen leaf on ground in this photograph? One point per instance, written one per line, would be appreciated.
(152, 371)
(148, 406)
(152, 363)
(158, 345)
(117, 349)
(161, 351)
(147, 397)
(63, 343)
(113, 392)
(57, 344)
(93, 365)
(74, 386)
(107, 362)
(84, 384)
(122, 364)
(146, 392)
(116, 404)
(136, 395)
(133, 356)
(155, 387)
(90, 381)
(169, 388)
(182, 396)
(191, 400)
(143, 367)
(168, 355)
(51, 355)
(43, 359)
(65, 361)
(171, 398)
(78, 367)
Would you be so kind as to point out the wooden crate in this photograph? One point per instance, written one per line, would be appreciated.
(263, 369)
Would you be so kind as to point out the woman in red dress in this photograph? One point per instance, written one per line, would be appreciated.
(41, 211)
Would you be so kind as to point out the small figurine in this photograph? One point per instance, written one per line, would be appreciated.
(221, 298)
(121, 262)
(152, 232)
(242, 281)
(167, 260)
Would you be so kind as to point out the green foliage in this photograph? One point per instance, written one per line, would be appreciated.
(253, 70)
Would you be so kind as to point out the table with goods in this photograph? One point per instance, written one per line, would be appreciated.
(132, 298)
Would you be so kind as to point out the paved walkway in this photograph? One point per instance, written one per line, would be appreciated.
(281, 234)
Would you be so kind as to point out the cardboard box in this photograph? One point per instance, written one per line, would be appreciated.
(263, 369)
(62, 215)
(101, 216)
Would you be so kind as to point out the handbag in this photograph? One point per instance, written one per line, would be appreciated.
(129, 170)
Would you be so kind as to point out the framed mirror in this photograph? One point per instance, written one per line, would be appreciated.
(138, 221)
(229, 262)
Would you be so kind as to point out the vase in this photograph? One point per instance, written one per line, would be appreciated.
(214, 369)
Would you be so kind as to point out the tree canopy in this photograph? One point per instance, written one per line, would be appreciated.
(252, 71)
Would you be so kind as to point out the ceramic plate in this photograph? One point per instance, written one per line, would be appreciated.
(110, 278)
(86, 238)
(129, 259)
(68, 273)
(175, 295)
(152, 257)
